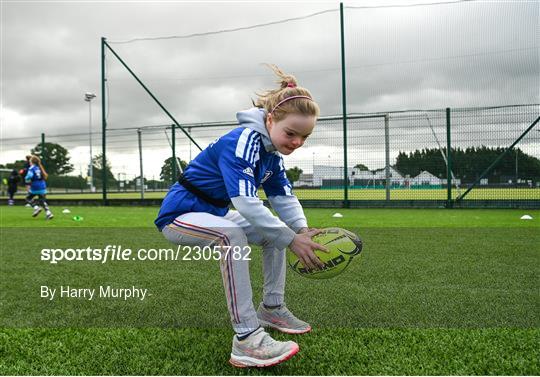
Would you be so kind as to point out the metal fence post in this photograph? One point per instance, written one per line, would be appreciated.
(140, 163)
(103, 125)
(497, 160)
(387, 156)
(173, 146)
(449, 202)
(42, 146)
(346, 203)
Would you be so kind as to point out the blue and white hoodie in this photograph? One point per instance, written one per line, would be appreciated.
(232, 168)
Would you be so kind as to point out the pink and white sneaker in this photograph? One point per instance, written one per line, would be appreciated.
(260, 350)
(282, 320)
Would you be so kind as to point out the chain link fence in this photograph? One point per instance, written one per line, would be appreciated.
(390, 158)
(394, 159)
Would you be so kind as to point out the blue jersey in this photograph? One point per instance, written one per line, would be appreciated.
(236, 164)
(35, 177)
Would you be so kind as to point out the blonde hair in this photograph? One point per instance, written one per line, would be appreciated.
(36, 160)
(288, 87)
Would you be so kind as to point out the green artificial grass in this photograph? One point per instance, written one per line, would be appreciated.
(479, 193)
(18, 216)
(433, 292)
(342, 351)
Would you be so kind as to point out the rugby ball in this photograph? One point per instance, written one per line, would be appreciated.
(342, 245)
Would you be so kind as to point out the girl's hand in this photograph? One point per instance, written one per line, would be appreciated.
(303, 247)
(305, 230)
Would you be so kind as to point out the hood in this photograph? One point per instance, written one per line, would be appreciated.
(254, 119)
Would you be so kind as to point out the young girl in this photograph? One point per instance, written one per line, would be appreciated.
(36, 177)
(13, 181)
(23, 173)
(195, 212)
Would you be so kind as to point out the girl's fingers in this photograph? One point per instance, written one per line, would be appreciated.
(313, 232)
(307, 263)
(317, 246)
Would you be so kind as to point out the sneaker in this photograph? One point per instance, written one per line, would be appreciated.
(36, 212)
(48, 215)
(28, 205)
(260, 350)
(282, 320)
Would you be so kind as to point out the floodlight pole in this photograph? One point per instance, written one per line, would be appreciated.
(91, 167)
(103, 125)
(88, 97)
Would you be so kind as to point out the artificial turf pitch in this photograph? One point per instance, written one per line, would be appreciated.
(338, 194)
(434, 292)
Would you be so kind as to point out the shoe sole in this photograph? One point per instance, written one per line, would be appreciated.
(248, 362)
(36, 213)
(285, 330)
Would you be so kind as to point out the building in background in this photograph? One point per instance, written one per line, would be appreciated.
(332, 177)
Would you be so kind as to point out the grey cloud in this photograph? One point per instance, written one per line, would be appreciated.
(396, 59)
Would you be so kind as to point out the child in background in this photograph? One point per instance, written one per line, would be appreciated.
(36, 176)
(13, 181)
(195, 212)
(23, 173)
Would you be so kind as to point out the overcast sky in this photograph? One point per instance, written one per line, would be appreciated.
(477, 53)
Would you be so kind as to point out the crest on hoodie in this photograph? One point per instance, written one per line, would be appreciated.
(248, 171)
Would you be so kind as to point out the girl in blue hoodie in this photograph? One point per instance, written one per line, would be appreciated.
(36, 176)
(196, 213)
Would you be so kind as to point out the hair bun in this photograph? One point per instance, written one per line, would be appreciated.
(288, 81)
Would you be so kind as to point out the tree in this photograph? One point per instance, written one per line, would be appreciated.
(469, 163)
(166, 174)
(361, 167)
(55, 158)
(97, 169)
(293, 174)
(17, 165)
(97, 162)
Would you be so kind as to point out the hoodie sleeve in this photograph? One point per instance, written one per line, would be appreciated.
(237, 164)
(278, 189)
(29, 175)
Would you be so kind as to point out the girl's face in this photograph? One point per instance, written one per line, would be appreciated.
(291, 132)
